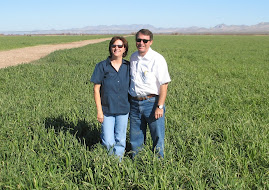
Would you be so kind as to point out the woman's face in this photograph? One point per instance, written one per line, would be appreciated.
(117, 49)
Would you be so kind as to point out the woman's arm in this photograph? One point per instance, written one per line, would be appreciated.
(97, 98)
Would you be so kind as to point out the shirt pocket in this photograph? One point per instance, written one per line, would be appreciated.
(148, 77)
(109, 75)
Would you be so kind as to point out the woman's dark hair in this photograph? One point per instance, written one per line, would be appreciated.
(145, 32)
(124, 41)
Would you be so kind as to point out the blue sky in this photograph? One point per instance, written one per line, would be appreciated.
(27, 15)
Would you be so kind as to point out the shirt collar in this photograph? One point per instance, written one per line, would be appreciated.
(148, 55)
(108, 61)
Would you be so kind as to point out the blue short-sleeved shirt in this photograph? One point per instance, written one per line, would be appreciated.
(114, 86)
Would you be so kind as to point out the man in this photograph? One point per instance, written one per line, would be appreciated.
(148, 89)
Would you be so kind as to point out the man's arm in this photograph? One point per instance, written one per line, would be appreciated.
(162, 97)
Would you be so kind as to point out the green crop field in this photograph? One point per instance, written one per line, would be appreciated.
(217, 120)
(12, 42)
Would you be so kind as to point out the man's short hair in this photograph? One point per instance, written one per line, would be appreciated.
(145, 32)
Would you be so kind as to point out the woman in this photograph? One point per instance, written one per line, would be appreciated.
(111, 83)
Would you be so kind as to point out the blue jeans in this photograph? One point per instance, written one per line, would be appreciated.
(141, 114)
(113, 134)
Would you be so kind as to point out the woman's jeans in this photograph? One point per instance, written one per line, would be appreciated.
(141, 114)
(114, 128)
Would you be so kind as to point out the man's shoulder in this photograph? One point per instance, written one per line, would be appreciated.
(155, 53)
(134, 54)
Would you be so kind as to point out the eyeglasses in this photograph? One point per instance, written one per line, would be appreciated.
(144, 40)
(119, 46)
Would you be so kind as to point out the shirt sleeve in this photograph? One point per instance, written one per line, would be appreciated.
(98, 74)
(162, 71)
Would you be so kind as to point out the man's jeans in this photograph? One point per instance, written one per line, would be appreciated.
(141, 114)
(114, 133)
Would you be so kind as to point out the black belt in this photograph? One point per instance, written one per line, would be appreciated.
(140, 98)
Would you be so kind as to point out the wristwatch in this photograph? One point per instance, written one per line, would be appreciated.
(160, 106)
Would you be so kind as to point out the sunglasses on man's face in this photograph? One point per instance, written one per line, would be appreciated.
(119, 46)
(144, 40)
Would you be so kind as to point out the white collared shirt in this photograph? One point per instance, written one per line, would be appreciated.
(148, 73)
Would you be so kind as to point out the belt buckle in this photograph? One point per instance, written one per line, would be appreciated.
(141, 98)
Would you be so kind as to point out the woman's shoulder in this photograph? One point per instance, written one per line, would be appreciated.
(126, 61)
(103, 63)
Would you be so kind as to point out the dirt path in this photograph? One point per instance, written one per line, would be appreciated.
(28, 54)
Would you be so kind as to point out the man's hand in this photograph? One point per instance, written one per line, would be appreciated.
(158, 113)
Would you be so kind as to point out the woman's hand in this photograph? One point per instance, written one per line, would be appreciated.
(100, 117)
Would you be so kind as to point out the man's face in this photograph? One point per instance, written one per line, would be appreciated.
(143, 46)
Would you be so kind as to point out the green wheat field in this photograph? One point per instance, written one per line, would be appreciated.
(217, 119)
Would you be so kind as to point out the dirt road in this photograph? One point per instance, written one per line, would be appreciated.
(28, 54)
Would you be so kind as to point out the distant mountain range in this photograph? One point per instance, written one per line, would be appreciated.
(261, 28)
